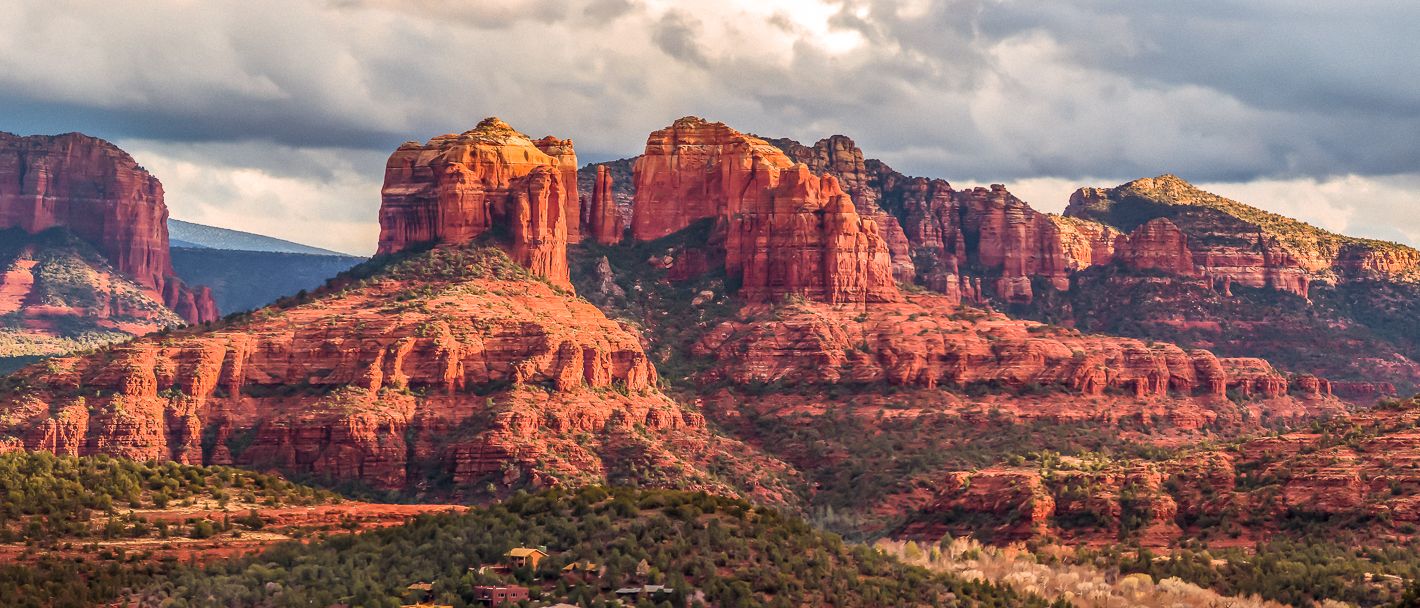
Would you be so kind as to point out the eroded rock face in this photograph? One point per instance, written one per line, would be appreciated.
(1247, 246)
(694, 170)
(453, 363)
(100, 194)
(787, 230)
(923, 342)
(840, 157)
(603, 222)
(1253, 489)
(455, 188)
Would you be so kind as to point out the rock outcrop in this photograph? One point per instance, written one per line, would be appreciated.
(1252, 490)
(787, 230)
(840, 157)
(456, 188)
(922, 342)
(97, 192)
(603, 222)
(1245, 245)
(561, 149)
(453, 363)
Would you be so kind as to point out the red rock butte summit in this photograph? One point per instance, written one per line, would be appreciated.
(456, 188)
(786, 229)
(100, 194)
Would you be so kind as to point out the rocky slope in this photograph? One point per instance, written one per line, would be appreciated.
(59, 295)
(452, 366)
(100, 194)
(1357, 470)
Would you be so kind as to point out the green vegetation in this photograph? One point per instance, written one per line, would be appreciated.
(46, 498)
(1300, 572)
(54, 582)
(736, 554)
(663, 309)
(855, 461)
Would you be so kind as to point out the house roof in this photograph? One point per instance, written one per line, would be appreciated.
(524, 552)
(580, 566)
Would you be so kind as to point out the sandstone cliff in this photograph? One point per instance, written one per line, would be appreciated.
(452, 364)
(603, 222)
(491, 179)
(1244, 244)
(787, 231)
(97, 192)
(1357, 469)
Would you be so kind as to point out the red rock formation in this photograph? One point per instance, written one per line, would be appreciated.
(693, 170)
(923, 342)
(1246, 245)
(1158, 245)
(995, 230)
(603, 222)
(451, 361)
(561, 149)
(840, 157)
(99, 193)
(1296, 473)
(455, 188)
(802, 235)
(787, 230)
(1016, 498)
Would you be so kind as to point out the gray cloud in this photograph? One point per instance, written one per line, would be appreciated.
(676, 34)
(996, 90)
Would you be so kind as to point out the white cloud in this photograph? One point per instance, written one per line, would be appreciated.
(1033, 95)
(331, 202)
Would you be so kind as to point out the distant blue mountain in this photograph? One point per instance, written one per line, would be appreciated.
(197, 236)
(245, 270)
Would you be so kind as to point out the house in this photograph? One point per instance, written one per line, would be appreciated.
(419, 591)
(524, 556)
(498, 596)
(583, 569)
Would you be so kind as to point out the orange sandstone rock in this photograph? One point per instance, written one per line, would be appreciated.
(603, 222)
(456, 188)
(788, 231)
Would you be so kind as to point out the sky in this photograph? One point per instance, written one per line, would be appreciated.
(276, 116)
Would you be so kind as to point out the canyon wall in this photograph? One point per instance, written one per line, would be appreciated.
(99, 193)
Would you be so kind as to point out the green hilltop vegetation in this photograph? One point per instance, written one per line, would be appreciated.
(44, 497)
(1168, 195)
(52, 505)
(708, 550)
